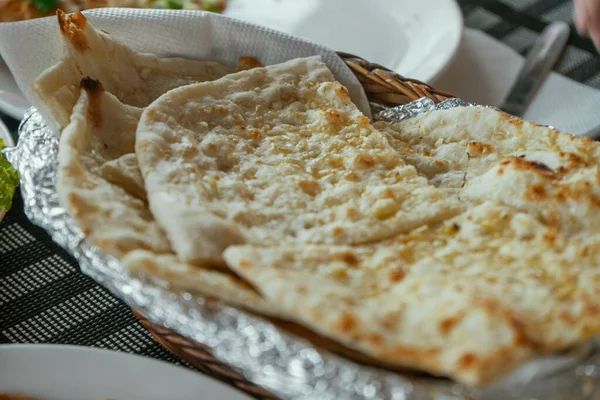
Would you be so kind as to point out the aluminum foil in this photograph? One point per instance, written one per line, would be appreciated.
(280, 362)
(413, 109)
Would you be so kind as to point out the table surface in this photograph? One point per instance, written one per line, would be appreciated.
(45, 299)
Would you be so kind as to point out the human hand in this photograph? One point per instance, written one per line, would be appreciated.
(587, 19)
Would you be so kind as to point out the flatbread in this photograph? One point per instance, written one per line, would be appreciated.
(469, 299)
(270, 191)
(103, 199)
(275, 155)
(124, 172)
(102, 129)
(134, 78)
(212, 283)
(489, 155)
(469, 140)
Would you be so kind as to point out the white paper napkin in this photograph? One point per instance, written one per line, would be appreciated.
(484, 70)
(30, 47)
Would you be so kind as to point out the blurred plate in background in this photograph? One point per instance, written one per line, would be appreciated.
(54, 372)
(417, 39)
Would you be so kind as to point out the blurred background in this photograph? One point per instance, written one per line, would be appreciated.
(473, 49)
(518, 23)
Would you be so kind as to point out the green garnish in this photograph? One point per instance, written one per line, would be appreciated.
(211, 5)
(169, 4)
(9, 180)
(207, 5)
(45, 6)
(174, 4)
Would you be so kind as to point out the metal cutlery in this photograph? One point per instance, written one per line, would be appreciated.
(540, 59)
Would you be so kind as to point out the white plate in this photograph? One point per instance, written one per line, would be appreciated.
(12, 100)
(5, 134)
(417, 39)
(52, 372)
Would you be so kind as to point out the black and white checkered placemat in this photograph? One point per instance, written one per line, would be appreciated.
(45, 299)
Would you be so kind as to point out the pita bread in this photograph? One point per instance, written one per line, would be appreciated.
(134, 78)
(93, 146)
(469, 299)
(275, 155)
(489, 155)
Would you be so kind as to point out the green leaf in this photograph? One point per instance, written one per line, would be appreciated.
(45, 6)
(9, 180)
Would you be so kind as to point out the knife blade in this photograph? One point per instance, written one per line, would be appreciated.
(540, 59)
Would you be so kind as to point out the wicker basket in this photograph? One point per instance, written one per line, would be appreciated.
(381, 86)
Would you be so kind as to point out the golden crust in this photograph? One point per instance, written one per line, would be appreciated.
(71, 26)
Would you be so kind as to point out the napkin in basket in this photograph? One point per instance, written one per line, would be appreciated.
(30, 47)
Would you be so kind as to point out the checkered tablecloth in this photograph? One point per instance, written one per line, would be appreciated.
(45, 299)
(519, 22)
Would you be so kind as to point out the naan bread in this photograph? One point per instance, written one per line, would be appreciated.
(134, 78)
(488, 155)
(472, 139)
(105, 200)
(351, 231)
(209, 282)
(103, 130)
(469, 299)
(275, 155)
(124, 172)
